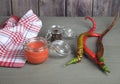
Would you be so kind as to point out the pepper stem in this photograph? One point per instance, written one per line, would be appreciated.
(105, 69)
(73, 61)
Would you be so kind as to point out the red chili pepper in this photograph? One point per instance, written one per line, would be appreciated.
(100, 47)
(80, 47)
(93, 23)
(81, 44)
(98, 57)
(88, 51)
(93, 34)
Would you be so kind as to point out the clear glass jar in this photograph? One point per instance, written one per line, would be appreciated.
(57, 32)
(36, 50)
(54, 33)
(59, 48)
(68, 33)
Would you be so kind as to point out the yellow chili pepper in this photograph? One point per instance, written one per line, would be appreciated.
(80, 46)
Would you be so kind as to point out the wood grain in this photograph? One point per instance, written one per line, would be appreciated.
(105, 7)
(101, 7)
(79, 7)
(5, 7)
(20, 7)
(60, 7)
(115, 7)
(52, 7)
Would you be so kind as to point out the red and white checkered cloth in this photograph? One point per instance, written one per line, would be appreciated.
(13, 35)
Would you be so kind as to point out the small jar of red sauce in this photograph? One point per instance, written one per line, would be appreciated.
(36, 50)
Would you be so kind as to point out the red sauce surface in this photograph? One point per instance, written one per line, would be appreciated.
(36, 57)
(36, 44)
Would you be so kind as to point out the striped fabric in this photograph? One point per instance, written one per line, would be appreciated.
(13, 34)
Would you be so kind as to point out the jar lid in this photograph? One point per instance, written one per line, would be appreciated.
(56, 29)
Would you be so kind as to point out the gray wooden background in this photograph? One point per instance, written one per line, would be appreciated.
(60, 7)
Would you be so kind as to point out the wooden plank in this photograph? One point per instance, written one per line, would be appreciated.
(105, 7)
(79, 7)
(115, 7)
(101, 7)
(20, 7)
(5, 7)
(52, 7)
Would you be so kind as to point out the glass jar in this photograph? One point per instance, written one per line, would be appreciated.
(57, 32)
(36, 50)
(68, 33)
(54, 33)
(59, 48)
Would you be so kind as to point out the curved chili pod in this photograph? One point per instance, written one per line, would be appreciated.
(79, 50)
(99, 55)
(87, 50)
(80, 46)
(100, 47)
